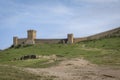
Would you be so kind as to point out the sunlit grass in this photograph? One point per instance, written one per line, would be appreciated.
(104, 51)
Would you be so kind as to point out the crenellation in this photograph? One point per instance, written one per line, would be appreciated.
(31, 37)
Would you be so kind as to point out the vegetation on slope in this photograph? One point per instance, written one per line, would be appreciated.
(14, 73)
(106, 43)
(103, 51)
(109, 50)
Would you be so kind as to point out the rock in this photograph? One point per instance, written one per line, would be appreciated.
(28, 57)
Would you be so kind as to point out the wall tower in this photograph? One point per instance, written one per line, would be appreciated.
(15, 41)
(31, 35)
(70, 38)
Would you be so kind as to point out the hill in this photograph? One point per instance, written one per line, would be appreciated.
(107, 47)
(101, 52)
(60, 58)
(103, 44)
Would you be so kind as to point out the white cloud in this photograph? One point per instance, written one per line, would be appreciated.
(51, 20)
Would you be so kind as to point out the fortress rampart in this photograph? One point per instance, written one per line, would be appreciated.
(31, 38)
(50, 41)
(79, 39)
(110, 33)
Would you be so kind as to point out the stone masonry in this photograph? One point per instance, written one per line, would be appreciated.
(31, 38)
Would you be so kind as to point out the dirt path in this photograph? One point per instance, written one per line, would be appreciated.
(77, 69)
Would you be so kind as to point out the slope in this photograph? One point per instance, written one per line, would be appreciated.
(104, 51)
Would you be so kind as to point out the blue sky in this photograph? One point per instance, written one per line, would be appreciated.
(56, 18)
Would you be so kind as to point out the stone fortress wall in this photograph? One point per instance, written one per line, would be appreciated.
(50, 41)
(31, 38)
(110, 33)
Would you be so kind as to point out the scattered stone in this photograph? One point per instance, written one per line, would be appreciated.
(28, 57)
(108, 76)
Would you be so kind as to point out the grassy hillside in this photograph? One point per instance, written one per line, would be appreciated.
(14, 73)
(106, 43)
(104, 51)
(109, 50)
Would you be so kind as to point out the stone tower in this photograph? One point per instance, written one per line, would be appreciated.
(15, 41)
(31, 35)
(70, 38)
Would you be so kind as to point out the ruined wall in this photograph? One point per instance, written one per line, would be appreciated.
(50, 41)
(79, 39)
(38, 41)
(31, 39)
(21, 41)
(111, 33)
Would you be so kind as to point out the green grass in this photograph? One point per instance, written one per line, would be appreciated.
(103, 52)
(109, 51)
(35, 63)
(67, 51)
(107, 43)
(13, 73)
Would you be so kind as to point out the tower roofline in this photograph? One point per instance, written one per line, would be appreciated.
(31, 30)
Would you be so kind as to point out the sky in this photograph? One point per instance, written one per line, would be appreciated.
(56, 18)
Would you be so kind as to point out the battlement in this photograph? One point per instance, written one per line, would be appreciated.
(31, 39)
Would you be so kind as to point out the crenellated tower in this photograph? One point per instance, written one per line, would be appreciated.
(31, 36)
